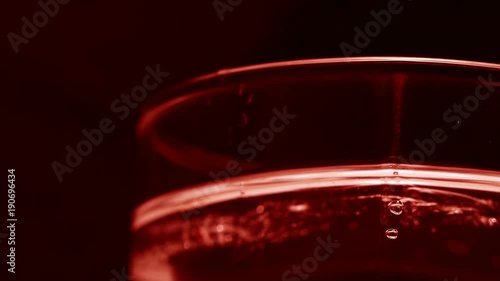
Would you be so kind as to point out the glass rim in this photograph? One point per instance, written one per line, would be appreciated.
(274, 182)
(151, 115)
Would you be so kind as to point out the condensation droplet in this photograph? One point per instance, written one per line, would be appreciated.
(391, 233)
(396, 207)
(493, 221)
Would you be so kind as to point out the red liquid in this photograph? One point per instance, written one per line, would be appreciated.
(383, 222)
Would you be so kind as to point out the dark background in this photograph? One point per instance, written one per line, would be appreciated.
(65, 78)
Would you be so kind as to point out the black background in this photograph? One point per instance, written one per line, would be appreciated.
(65, 78)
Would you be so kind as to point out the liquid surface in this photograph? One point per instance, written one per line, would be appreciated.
(332, 223)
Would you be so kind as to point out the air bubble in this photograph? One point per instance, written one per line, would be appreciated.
(220, 228)
(391, 233)
(395, 173)
(298, 207)
(396, 207)
(260, 209)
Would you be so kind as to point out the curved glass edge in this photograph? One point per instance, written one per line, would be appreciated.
(151, 115)
(275, 182)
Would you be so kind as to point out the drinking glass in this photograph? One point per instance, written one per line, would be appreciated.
(365, 168)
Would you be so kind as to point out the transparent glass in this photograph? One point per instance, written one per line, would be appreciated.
(328, 169)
